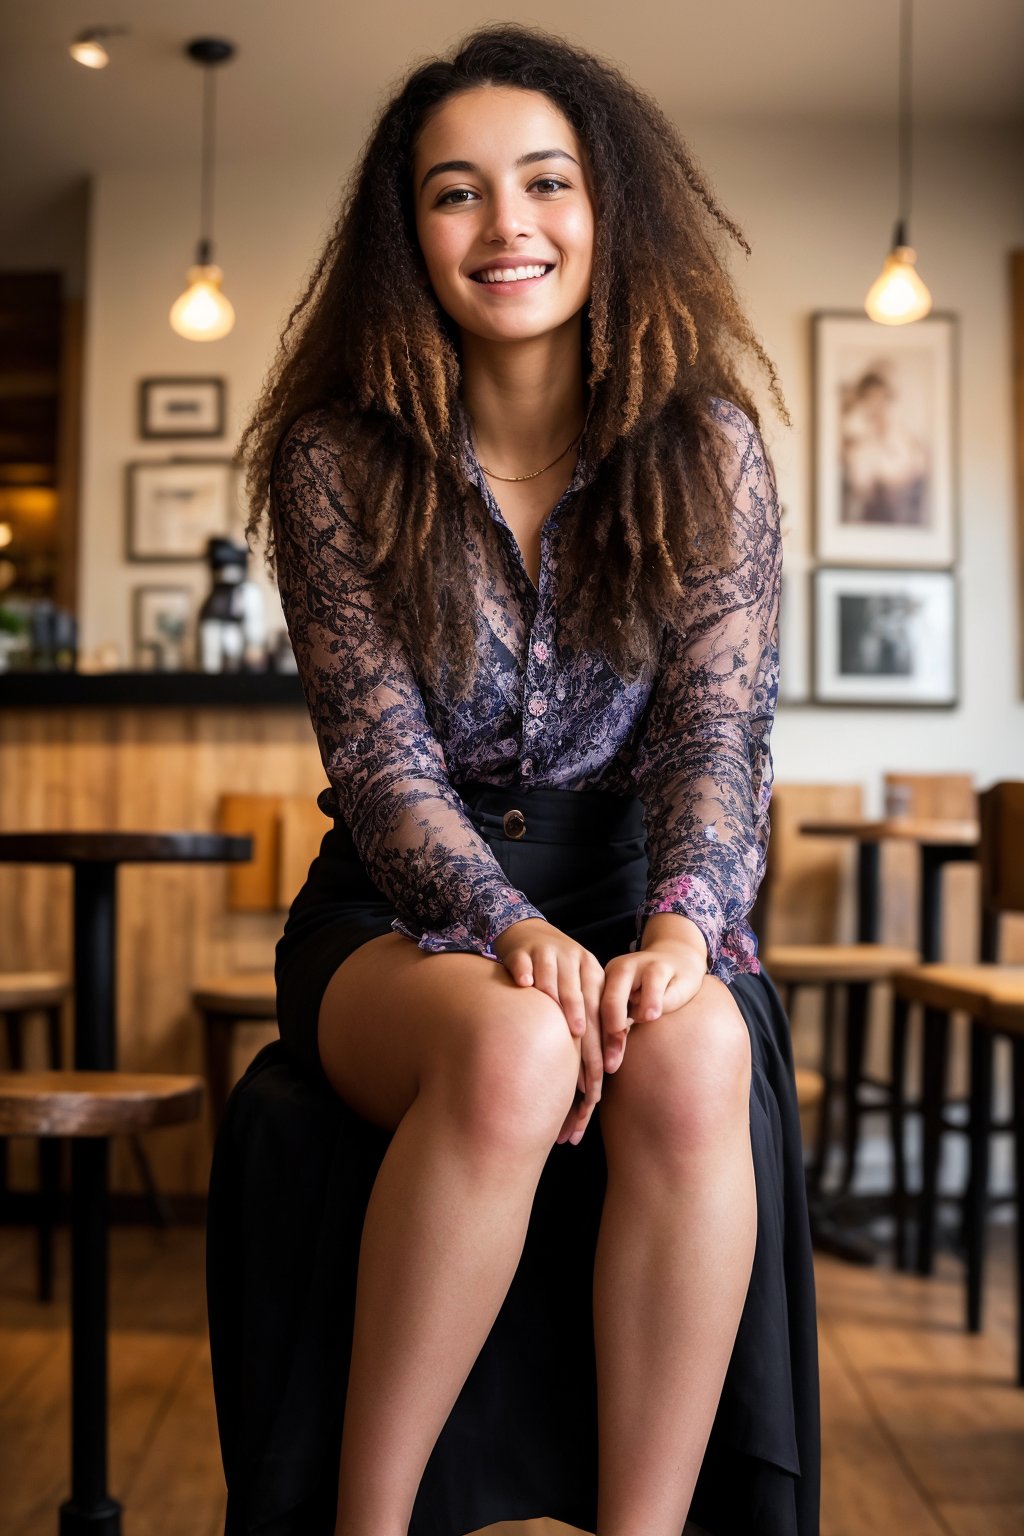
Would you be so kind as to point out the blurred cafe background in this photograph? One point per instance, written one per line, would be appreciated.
(169, 173)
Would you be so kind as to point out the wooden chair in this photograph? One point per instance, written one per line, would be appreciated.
(89, 1108)
(286, 832)
(801, 896)
(22, 994)
(1004, 1017)
(992, 995)
(931, 796)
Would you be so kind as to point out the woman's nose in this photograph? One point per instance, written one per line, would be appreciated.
(506, 217)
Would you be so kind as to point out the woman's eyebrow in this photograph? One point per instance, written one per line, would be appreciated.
(467, 165)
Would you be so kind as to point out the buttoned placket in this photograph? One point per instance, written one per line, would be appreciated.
(541, 629)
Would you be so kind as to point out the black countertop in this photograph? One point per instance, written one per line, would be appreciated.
(148, 690)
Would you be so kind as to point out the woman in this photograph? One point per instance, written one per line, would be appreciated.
(526, 537)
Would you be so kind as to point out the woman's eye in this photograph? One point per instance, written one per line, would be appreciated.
(546, 185)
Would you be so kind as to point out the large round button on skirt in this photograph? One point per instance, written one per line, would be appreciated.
(514, 823)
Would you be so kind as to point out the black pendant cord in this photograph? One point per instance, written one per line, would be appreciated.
(901, 236)
(206, 184)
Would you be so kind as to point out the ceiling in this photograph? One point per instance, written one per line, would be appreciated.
(309, 72)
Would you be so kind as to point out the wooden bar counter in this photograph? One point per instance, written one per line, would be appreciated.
(145, 752)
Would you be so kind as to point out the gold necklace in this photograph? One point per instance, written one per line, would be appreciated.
(536, 471)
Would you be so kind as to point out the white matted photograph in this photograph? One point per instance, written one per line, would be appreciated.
(179, 407)
(884, 440)
(885, 637)
(175, 505)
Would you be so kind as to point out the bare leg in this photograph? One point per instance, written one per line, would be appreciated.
(446, 1222)
(674, 1256)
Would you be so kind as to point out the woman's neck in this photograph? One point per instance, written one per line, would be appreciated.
(525, 400)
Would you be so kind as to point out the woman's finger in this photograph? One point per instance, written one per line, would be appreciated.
(570, 994)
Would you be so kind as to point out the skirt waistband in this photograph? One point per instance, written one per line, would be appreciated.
(573, 816)
(567, 816)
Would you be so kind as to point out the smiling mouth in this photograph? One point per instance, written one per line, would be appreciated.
(495, 277)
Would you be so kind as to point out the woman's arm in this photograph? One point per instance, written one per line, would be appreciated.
(380, 754)
(703, 768)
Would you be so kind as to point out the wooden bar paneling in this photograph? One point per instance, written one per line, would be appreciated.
(160, 770)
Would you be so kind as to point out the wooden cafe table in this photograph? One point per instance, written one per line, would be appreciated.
(938, 843)
(95, 858)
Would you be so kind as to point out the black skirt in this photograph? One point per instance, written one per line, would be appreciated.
(293, 1169)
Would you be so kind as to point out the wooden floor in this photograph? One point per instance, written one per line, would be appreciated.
(923, 1427)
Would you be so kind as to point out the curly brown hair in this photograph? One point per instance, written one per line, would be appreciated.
(663, 334)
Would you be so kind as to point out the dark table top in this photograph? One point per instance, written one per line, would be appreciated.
(123, 848)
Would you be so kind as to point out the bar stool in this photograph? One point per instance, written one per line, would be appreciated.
(223, 1003)
(286, 832)
(89, 1108)
(23, 993)
(939, 991)
(801, 893)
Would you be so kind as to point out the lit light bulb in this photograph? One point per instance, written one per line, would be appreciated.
(898, 295)
(90, 52)
(202, 313)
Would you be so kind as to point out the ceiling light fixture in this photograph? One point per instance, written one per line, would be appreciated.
(202, 313)
(898, 295)
(88, 48)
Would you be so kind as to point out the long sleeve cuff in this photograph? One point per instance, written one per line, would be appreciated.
(688, 896)
(459, 938)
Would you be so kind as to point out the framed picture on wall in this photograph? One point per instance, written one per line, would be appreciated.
(885, 637)
(161, 621)
(181, 408)
(885, 440)
(173, 506)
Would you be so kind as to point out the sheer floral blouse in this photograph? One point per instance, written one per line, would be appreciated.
(691, 739)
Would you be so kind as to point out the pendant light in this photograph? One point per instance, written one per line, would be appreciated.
(87, 48)
(898, 295)
(202, 313)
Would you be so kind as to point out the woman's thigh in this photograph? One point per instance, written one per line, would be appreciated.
(395, 1019)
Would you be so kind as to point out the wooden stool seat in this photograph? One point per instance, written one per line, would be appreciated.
(789, 963)
(967, 987)
(32, 989)
(95, 1103)
(246, 995)
(810, 1086)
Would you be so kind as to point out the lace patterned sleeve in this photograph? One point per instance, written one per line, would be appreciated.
(381, 756)
(703, 768)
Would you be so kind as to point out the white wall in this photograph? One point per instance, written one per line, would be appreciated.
(817, 203)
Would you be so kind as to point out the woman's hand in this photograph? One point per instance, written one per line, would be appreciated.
(538, 954)
(641, 986)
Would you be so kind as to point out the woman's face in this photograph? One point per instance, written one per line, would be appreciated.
(500, 186)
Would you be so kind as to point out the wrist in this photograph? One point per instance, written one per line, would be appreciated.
(672, 929)
(513, 934)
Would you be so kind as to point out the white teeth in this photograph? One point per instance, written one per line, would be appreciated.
(509, 274)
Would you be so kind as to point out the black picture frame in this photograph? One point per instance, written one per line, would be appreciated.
(901, 653)
(917, 366)
(176, 407)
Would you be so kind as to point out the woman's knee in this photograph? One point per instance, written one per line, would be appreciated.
(510, 1075)
(684, 1083)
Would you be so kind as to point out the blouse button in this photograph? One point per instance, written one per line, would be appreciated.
(514, 823)
(538, 704)
(527, 766)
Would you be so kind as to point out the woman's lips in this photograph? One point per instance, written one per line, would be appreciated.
(492, 285)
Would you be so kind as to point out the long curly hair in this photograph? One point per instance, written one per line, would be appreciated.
(663, 333)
